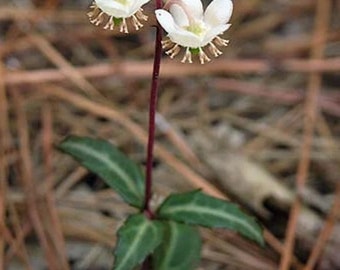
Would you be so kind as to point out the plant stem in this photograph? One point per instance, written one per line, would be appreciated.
(147, 264)
(152, 116)
(152, 126)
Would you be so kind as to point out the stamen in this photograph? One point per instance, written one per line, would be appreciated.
(203, 57)
(94, 10)
(110, 24)
(213, 50)
(123, 26)
(93, 5)
(97, 17)
(173, 51)
(221, 42)
(136, 23)
(140, 15)
(187, 56)
(166, 44)
(98, 20)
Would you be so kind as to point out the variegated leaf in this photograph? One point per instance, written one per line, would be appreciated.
(198, 208)
(180, 248)
(137, 238)
(105, 160)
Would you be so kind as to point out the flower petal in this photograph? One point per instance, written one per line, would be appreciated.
(218, 12)
(214, 32)
(195, 8)
(176, 34)
(113, 8)
(179, 15)
(136, 5)
(185, 39)
(166, 20)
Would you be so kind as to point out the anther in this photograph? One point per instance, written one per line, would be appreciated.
(213, 50)
(98, 20)
(110, 24)
(166, 44)
(140, 15)
(136, 23)
(203, 57)
(221, 42)
(173, 51)
(123, 27)
(187, 56)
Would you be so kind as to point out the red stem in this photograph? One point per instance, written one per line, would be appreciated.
(152, 115)
(152, 118)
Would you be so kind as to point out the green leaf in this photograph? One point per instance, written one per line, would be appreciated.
(105, 160)
(198, 208)
(137, 238)
(180, 248)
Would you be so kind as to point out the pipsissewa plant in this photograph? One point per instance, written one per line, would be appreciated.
(165, 238)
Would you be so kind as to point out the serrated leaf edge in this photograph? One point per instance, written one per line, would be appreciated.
(132, 248)
(174, 230)
(171, 247)
(189, 208)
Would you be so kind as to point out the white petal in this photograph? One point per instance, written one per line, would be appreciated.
(214, 32)
(218, 12)
(185, 38)
(194, 7)
(113, 8)
(166, 20)
(179, 15)
(175, 33)
(136, 5)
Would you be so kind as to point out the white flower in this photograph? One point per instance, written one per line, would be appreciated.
(117, 12)
(187, 26)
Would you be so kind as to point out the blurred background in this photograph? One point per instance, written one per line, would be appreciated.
(260, 125)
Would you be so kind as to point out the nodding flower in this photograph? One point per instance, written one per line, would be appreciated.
(188, 27)
(117, 13)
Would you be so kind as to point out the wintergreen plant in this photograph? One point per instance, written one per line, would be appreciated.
(165, 238)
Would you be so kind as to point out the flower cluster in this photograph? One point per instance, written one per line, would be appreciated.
(186, 24)
(117, 13)
(188, 27)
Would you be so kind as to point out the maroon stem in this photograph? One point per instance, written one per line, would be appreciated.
(147, 265)
(152, 115)
(152, 126)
